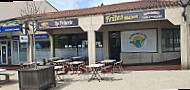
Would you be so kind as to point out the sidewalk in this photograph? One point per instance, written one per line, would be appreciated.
(129, 80)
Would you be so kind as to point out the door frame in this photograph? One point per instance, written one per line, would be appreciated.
(6, 54)
(110, 48)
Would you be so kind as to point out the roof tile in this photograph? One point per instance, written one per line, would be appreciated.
(142, 4)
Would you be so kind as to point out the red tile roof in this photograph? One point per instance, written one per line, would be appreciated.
(142, 4)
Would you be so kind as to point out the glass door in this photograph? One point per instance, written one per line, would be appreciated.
(16, 53)
(4, 54)
(115, 45)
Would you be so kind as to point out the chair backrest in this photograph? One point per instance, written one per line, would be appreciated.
(121, 62)
(44, 61)
(66, 70)
(110, 68)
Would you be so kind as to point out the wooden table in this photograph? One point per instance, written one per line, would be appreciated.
(95, 68)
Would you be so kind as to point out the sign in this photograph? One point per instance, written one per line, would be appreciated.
(57, 23)
(139, 41)
(3, 38)
(135, 16)
(10, 29)
(37, 36)
(0, 28)
(41, 36)
(15, 37)
(24, 39)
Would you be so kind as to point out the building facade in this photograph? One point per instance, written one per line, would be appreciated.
(143, 31)
(139, 32)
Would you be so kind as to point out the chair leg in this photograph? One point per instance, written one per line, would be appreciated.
(59, 77)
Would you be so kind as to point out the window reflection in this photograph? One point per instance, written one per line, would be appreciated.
(170, 40)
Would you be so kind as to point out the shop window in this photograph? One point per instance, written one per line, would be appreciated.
(42, 49)
(99, 40)
(42, 43)
(170, 40)
(69, 45)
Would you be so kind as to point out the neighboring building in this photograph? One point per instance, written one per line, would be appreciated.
(13, 9)
(11, 50)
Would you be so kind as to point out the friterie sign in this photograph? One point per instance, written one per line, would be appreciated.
(135, 16)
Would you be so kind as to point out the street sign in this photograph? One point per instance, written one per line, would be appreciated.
(23, 39)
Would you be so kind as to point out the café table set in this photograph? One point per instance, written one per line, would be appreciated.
(74, 65)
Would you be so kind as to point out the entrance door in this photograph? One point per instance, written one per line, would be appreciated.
(114, 45)
(4, 54)
(16, 53)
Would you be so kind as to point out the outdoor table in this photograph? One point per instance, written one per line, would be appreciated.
(77, 57)
(75, 63)
(61, 61)
(95, 68)
(58, 67)
(53, 58)
(107, 62)
(2, 70)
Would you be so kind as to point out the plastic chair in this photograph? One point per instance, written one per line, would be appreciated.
(107, 70)
(84, 71)
(65, 69)
(118, 65)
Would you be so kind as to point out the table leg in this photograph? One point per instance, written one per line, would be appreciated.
(95, 74)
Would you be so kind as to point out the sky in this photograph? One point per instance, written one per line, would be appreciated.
(78, 4)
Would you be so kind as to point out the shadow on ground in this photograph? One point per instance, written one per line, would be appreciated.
(11, 82)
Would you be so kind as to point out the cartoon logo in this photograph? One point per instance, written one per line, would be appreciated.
(138, 40)
(44, 25)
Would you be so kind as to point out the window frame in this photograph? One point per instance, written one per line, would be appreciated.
(174, 46)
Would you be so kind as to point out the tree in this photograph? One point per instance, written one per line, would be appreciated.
(31, 13)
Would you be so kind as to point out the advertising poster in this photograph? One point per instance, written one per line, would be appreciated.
(139, 41)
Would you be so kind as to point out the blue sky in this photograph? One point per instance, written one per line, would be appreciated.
(77, 4)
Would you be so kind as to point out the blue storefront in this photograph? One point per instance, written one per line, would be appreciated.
(13, 52)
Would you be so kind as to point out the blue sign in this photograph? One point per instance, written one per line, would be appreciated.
(135, 16)
(15, 37)
(10, 29)
(37, 36)
(3, 38)
(0, 28)
(41, 36)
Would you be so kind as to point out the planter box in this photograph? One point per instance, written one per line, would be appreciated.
(36, 79)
